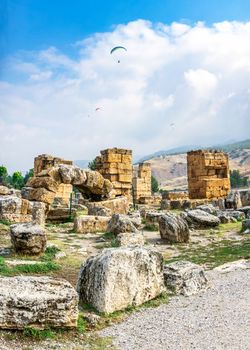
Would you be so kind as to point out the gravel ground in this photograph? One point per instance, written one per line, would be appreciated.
(218, 318)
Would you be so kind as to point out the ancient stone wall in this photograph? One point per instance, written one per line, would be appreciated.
(208, 174)
(115, 164)
(44, 162)
(142, 181)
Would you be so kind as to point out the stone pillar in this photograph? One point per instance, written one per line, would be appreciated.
(115, 164)
(142, 181)
(44, 162)
(208, 174)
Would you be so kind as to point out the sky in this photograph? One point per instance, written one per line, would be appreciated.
(184, 79)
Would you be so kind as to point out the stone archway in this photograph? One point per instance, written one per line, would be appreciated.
(43, 186)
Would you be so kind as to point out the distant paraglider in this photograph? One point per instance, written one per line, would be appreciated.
(116, 52)
(98, 109)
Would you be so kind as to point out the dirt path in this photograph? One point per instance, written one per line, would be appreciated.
(216, 319)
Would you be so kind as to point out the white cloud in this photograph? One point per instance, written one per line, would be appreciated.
(202, 81)
(195, 76)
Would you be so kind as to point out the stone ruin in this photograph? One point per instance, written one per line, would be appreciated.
(142, 182)
(115, 164)
(45, 162)
(208, 174)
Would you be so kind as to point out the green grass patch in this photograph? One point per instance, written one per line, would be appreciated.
(81, 324)
(216, 254)
(5, 222)
(111, 241)
(108, 235)
(50, 253)
(46, 265)
(150, 227)
(39, 334)
(41, 268)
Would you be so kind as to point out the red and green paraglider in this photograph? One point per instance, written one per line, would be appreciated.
(116, 51)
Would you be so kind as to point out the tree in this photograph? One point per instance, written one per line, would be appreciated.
(237, 180)
(3, 175)
(92, 165)
(17, 180)
(154, 184)
(28, 174)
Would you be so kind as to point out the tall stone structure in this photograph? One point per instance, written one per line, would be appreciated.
(45, 161)
(142, 181)
(208, 174)
(115, 164)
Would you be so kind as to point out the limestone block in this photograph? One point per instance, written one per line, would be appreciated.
(121, 277)
(41, 195)
(91, 224)
(173, 228)
(45, 181)
(28, 238)
(184, 277)
(37, 302)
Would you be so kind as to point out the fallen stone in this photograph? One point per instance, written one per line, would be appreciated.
(120, 223)
(208, 208)
(200, 219)
(184, 277)
(245, 209)
(71, 174)
(41, 195)
(119, 205)
(126, 239)
(135, 218)
(121, 277)
(153, 217)
(245, 225)
(4, 191)
(173, 228)
(233, 200)
(241, 264)
(60, 214)
(10, 204)
(28, 238)
(37, 302)
(99, 211)
(229, 215)
(39, 210)
(17, 262)
(45, 181)
(91, 224)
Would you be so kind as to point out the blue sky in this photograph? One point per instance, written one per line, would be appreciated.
(37, 24)
(184, 78)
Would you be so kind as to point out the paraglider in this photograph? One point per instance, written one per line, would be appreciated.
(116, 50)
(98, 109)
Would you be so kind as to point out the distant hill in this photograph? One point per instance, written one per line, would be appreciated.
(171, 170)
(184, 149)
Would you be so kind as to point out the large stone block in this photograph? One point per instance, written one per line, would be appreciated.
(126, 239)
(38, 302)
(44, 181)
(184, 277)
(91, 224)
(200, 219)
(41, 195)
(173, 228)
(71, 174)
(28, 238)
(10, 204)
(119, 205)
(121, 223)
(121, 277)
